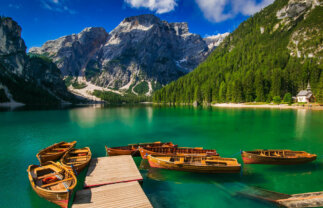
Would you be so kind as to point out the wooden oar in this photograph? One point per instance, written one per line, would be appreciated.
(56, 182)
(45, 176)
(77, 157)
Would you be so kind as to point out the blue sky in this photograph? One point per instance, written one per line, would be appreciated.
(43, 20)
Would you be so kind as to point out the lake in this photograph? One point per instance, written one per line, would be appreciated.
(24, 132)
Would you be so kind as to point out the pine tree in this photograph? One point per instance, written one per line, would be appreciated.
(222, 92)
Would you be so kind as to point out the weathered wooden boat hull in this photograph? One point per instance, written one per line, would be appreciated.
(78, 167)
(115, 152)
(144, 152)
(155, 163)
(133, 149)
(43, 157)
(59, 197)
(250, 158)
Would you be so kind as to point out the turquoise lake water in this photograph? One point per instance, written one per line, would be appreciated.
(24, 132)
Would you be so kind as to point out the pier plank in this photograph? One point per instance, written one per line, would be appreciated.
(119, 195)
(109, 170)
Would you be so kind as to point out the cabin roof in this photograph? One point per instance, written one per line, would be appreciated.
(305, 93)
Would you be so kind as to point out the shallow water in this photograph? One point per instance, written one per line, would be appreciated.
(24, 132)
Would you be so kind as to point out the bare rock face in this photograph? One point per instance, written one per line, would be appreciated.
(12, 47)
(29, 80)
(140, 49)
(71, 53)
(302, 39)
(214, 41)
(146, 48)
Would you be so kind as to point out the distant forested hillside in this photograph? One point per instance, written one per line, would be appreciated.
(277, 51)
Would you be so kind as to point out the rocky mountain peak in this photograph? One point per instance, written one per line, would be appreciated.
(144, 19)
(12, 46)
(27, 79)
(141, 52)
(72, 52)
(295, 8)
(10, 37)
(181, 28)
(215, 40)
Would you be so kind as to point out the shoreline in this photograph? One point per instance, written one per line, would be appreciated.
(273, 106)
(11, 105)
(313, 106)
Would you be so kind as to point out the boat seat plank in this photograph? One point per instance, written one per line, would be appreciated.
(56, 182)
(47, 175)
(77, 157)
(74, 163)
(52, 153)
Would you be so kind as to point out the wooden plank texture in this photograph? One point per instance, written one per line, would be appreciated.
(109, 170)
(119, 195)
(312, 199)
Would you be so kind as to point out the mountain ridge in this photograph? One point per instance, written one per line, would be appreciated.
(25, 79)
(260, 59)
(142, 50)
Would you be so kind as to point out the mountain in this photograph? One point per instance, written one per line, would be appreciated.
(25, 79)
(140, 55)
(275, 52)
(214, 41)
(71, 53)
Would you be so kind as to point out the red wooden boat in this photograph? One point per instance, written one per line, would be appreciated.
(160, 151)
(278, 157)
(132, 149)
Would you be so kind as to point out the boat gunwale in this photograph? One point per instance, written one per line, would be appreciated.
(32, 181)
(190, 164)
(138, 145)
(88, 157)
(72, 144)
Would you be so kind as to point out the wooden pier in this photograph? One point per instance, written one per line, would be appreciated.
(110, 170)
(112, 182)
(311, 199)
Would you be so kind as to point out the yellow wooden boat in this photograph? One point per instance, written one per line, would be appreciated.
(161, 151)
(201, 164)
(53, 182)
(54, 152)
(77, 159)
(277, 157)
(133, 149)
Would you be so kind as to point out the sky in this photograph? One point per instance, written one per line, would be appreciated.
(43, 20)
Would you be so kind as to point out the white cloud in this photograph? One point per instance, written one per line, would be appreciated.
(220, 10)
(57, 6)
(158, 6)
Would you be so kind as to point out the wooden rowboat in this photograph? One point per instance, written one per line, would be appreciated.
(52, 182)
(132, 149)
(278, 157)
(163, 151)
(54, 152)
(77, 159)
(200, 164)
